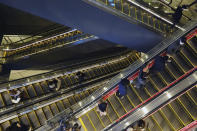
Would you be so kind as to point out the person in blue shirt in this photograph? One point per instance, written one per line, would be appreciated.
(141, 80)
(122, 90)
(102, 108)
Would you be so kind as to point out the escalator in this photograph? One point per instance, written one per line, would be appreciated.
(60, 39)
(133, 11)
(39, 99)
(182, 62)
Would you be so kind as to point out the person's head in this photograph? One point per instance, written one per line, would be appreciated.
(125, 82)
(165, 58)
(75, 126)
(182, 41)
(141, 123)
(51, 82)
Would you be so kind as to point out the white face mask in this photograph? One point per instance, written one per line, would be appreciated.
(52, 86)
(181, 43)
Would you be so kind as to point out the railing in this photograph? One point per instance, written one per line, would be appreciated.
(62, 71)
(45, 32)
(134, 12)
(85, 105)
(182, 83)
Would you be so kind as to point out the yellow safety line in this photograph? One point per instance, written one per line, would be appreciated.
(69, 78)
(191, 98)
(135, 13)
(179, 65)
(113, 108)
(34, 90)
(26, 91)
(2, 99)
(62, 104)
(51, 110)
(43, 113)
(36, 117)
(114, 4)
(130, 101)
(182, 54)
(99, 118)
(28, 120)
(121, 104)
(65, 81)
(56, 106)
(132, 88)
(129, 10)
(91, 122)
(83, 125)
(153, 83)
(185, 109)
(40, 87)
(169, 123)
(189, 43)
(153, 118)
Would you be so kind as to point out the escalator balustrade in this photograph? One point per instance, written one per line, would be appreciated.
(173, 116)
(34, 91)
(140, 15)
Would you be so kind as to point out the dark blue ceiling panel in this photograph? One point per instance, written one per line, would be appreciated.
(80, 15)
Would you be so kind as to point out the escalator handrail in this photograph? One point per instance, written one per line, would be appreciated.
(98, 94)
(17, 47)
(144, 103)
(4, 86)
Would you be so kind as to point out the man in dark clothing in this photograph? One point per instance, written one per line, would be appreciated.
(175, 47)
(80, 76)
(16, 126)
(159, 64)
(122, 91)
(54, 85)
(141, 80)
(102, 108)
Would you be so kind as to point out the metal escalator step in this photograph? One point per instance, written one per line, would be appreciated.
(34, 121)
(1, 101)
(87, 123)
(193, 93)
(167, 76)
(173, 70)
(45, 86)
(66, 78)
(193, 42)
(177, 67)
(38, 90)
(71, 100)
(150, 88)
(41, 116)
(76, 97)
(161, 121)
(126, 103)
(126, 9)
(189, 104)
(112, 114)
(54, 108)
(66, 103)
(181, 112)
(191, 50)
(14, 120)
(180, 61)
(24, 120)
(95, 120)
(60, 106)
(133, 97)
(5, 125)
(105, 120)
(115, 103)
(190, 56)
(142, 93)
(47, 112)
(158, 82)
(172, 118)
(31, 91)
(151, 124)
(7, 98)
